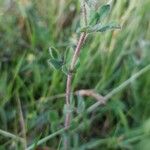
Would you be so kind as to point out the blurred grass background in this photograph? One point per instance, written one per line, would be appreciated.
(28, 28)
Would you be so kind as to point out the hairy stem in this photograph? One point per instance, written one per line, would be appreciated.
(68, 85)
(82, 38)
(69, 77)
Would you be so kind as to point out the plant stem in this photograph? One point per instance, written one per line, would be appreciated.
(68, 85)
(82, 38)
(69, 77)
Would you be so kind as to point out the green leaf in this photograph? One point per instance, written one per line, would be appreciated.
(90, 29)
(65, 69)
(56, 64)
(103, 11)
(100, 28)
(109, 26)
(81, 105)
(100, 14)
(53, 53)
(94, 18)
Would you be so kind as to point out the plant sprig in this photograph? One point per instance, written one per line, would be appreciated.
(92, 23)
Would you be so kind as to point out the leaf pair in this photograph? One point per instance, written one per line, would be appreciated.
(95, 24)
(55, 61)
(61, 62)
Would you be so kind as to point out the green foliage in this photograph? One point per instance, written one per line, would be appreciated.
(107, 27)
(106, 61)
(96, 17)
(94, 25)
(53, 53)
(62, 62)
(100, 14)
(56, 64)
(65, 69)
(100, 28)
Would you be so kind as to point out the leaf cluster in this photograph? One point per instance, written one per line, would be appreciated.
(94, 24)
(95, 18)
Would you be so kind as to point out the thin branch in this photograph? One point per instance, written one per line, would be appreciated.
(82, 92)
(68, 84)
(69, 76)
(120, 87)
(91, 93)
